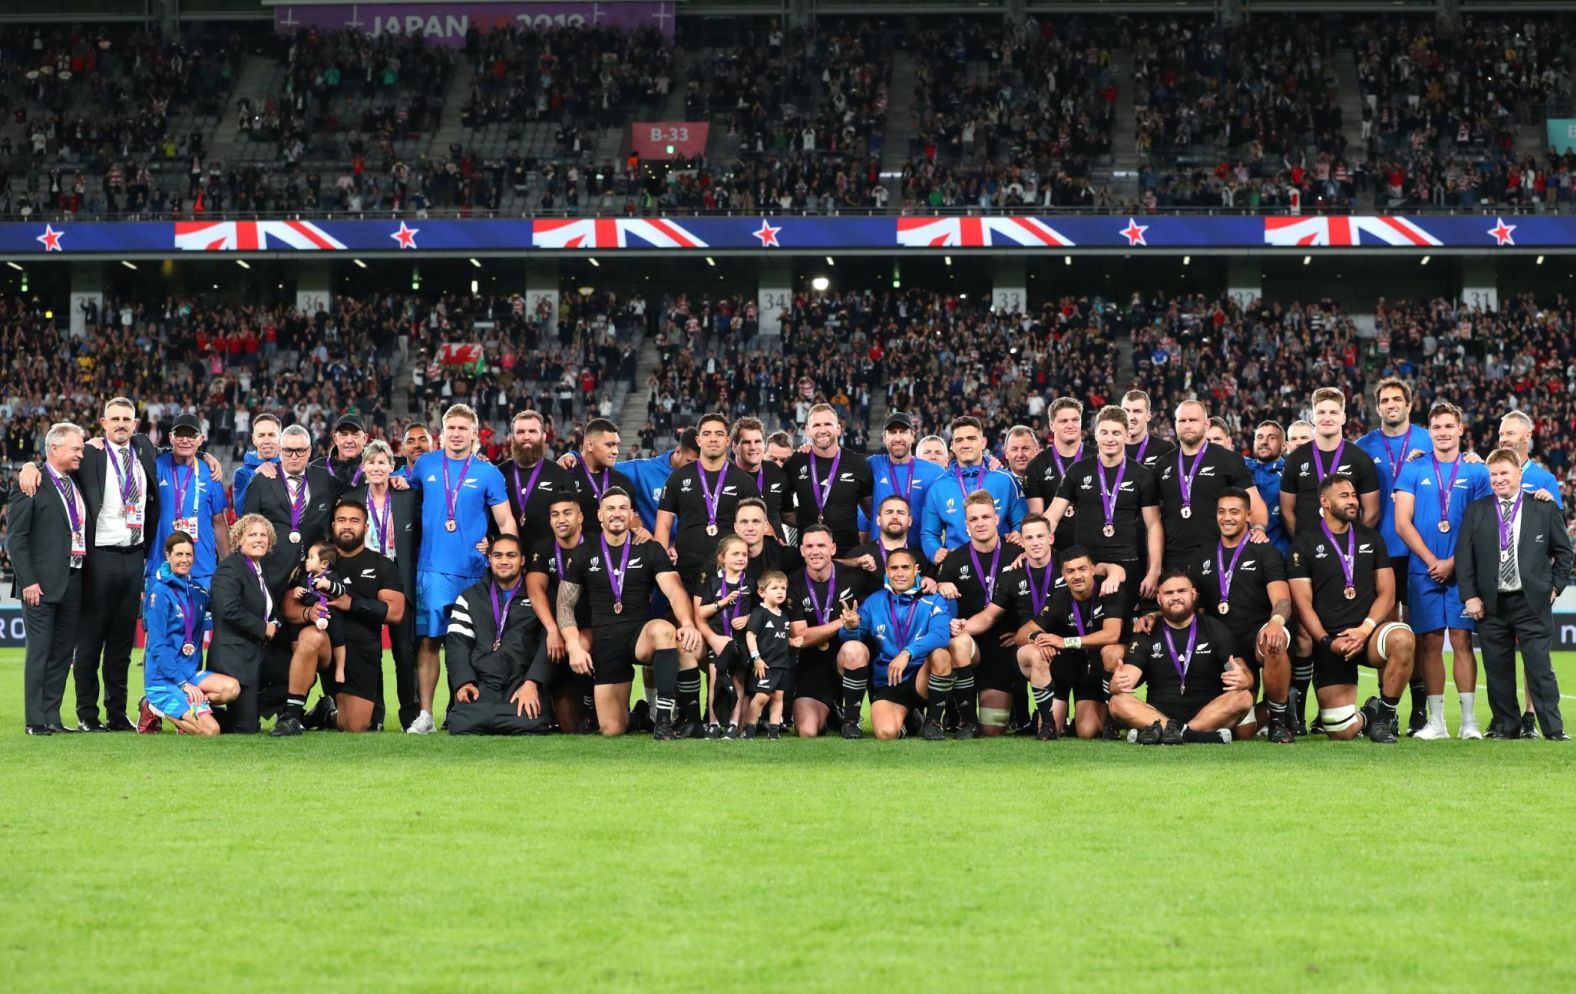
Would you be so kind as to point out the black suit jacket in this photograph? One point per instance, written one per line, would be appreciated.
(40, 542)
(90, 476)
(270, 499)
(1543, 554)
(240, 635)
(407, 537)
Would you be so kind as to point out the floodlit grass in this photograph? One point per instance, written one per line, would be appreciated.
(394, 863)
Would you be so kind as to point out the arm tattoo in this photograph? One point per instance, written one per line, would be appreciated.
(568, 598)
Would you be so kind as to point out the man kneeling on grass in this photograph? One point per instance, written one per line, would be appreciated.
(1198, 687)
(493, 634)
(909, 632)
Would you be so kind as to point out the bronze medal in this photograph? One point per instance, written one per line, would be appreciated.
(1187, 512)
(450, 525)
(618, 607)
(711, 529)
(295, 538)
(1108, 531)
(188, 649)
(1350, 593)
(1444, 526)
(1224, 608)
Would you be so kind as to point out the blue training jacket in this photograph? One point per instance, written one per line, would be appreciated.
(243, 478)
(943, 518)
(163, 619)
(881, 614)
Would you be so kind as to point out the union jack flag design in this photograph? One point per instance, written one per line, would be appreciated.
(1334, 231)
(611, 233)
(976, 232)
(250, 236)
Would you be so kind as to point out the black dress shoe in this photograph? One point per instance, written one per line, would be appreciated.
(39, 730)
(119, 723)
(93, 725)
(58, 729)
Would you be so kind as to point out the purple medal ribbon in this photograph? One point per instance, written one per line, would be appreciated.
(1185, 477)
(1056, 457)
(1037, 596)
(1445, 489)
(908, 484)
(188, 621)
(824, 613)
(711, 497)
(297, 503)
(596, 491)
(1181, 662)
(530, 485)
(322, 598)
(1349, 557)
(1108, 495)
(760, 479)
(68, 490)
(902, 630)
(1142, 448)
(181, 492)
(385, 520)
(1507, 524)
(615, 577)
(500, 616)
(558, 555)
(128, 481)
(1318, 464)
(957, 471)
(815, 483)
(355, 479)
(451, 493)
(1223, 571)
(731, 611)
(1078, 621)
(1391, 456)
(987, 580)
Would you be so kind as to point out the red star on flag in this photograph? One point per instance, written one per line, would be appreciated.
(405, 236)
(51, 239)
(1135, 233)
(1502, 232)
(768, 234)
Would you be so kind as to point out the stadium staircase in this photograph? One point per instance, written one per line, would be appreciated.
(451, 129)
(1350, 98)
(632, 412)
(1124, 364)
(878, 416)
(257, 72)
(1124, 133)
(900, 115)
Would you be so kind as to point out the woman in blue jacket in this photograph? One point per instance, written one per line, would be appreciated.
(904, 634)
(175, 619)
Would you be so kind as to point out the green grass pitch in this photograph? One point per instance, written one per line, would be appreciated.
(392, 863)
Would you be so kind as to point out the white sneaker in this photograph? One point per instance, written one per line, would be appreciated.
(423, 725)
(1470, 730)
(1433, 730)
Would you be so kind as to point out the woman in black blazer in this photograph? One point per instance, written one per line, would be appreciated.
(244, 617)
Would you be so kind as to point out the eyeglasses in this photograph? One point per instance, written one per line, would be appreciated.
(295, 452)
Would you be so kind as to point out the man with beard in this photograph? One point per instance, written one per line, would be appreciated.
(344, 460)
(703, 499)
(830, 484)
(968, 578)
(1072, 642)
(595, 473)
(1267, 464)
(1243, 584)
(1343, 588)
(574, 694)
(492, 637)
(1198, 687)
(1045, 473)
(944, 525)
(618, 575)
(534, 482)
(265, 449)
(373, 598)
(897, 471)
(1190, 478)
(893, 531)
(823, 697)
(1143, 448)
(749, 455)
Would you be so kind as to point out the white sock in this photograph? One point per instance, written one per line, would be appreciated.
(1436, 708)
(1468, 708)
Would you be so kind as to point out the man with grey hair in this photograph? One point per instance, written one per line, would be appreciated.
(298, 501)
(1018, 450)
(932, 449)
(1515, 434)
(49, 544)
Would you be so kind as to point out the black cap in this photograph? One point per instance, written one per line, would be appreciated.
(349, 423)
(187, 421)
(897, 419)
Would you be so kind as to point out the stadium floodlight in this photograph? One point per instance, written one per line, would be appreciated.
(710, 261)
(359, 263)
(1540, 262)
(477, 263)
(476, 286)
(831, 261)
(1067, 259)
(18, 266)
(820, 283)
(128, 264)
(1307, 260)
(1426, 260)
(243, 264)
(947, 259)
(1187, 260)
(594, 263)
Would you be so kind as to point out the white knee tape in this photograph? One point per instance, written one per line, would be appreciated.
(1384, 633)
(1338, 719)
(994, 717)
